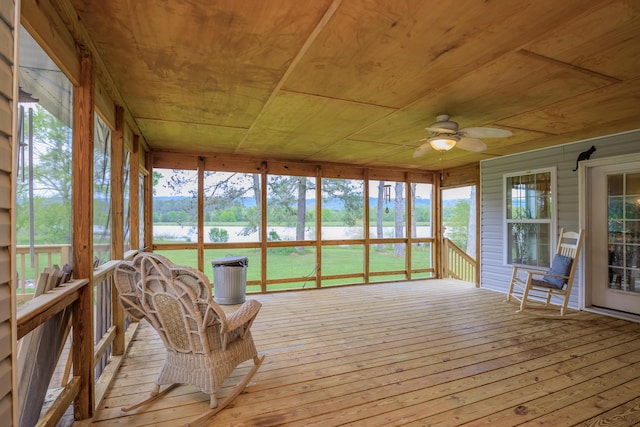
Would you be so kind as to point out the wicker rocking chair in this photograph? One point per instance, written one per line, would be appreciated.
(203, 345)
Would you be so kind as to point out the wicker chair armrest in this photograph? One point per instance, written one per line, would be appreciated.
(243, 317)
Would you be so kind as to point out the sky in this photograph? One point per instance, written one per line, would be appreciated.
(422, 190)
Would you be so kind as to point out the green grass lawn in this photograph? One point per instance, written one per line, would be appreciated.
(291, 263)
(284, 263)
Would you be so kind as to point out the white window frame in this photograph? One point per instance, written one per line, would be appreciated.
(552, 221)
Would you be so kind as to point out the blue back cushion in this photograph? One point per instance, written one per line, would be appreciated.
(561, 266)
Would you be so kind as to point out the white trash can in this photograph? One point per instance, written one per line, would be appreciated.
(230, 279)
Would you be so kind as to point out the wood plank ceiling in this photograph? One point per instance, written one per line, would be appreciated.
(357, 81)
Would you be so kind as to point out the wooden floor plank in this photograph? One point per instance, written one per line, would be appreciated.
(622, 415)
(473, 388)
(409, 353)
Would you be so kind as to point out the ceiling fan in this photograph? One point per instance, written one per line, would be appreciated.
(447, 135)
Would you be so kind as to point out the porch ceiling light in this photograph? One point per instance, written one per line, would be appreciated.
(443, 142)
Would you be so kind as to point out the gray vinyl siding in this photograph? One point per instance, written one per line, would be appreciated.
(7, 315)
(494, 274)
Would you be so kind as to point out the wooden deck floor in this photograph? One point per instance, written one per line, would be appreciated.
(420, 353)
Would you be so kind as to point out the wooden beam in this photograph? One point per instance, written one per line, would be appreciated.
(117, 222)
(148, 204)
(462, 176)
(109, 374)
(134, 194)
(367, 232)
(117, 186)
(409, 220)
(83, 127)
(436, 226)
(318, 226)
(263, 228)
(60, 405)
(201, 165)
(102, 346)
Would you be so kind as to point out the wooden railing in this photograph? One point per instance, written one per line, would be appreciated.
(43, 308)
(103, 333)
(457, 264)
(43, 256)
(27, 272)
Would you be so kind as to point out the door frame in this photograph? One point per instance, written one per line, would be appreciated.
(584, 294)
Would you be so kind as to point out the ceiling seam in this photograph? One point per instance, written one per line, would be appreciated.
(351, 101)
(488, 62)
(331, 10)
(569, 65)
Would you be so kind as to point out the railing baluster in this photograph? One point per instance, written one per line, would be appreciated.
(456, 263)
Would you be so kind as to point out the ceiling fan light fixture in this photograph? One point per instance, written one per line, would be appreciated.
(443, 142)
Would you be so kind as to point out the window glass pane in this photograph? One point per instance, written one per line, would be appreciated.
(615, 185)
(290, 208)
(542, 196)
(231, 207)
(529, 244)
(529, 196)
(342, 209)
(175, 206)
(44, 164)
(633, 184)
(632, 196)
(529, 216)
(421, 215)
(101, 190)
(632, 207)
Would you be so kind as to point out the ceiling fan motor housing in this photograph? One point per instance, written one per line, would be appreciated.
(444, 125)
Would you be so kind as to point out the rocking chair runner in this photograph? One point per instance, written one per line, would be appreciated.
(203, 345)
(539, 288)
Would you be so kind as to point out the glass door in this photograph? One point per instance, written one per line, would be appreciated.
(614, 223)
(624, 231)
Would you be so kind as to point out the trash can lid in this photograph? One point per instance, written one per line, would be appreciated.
(233, 261)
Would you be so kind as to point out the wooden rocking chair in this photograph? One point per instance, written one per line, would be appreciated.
(537, 288)
(203, 345)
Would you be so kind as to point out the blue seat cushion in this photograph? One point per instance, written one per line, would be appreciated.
(560, 266)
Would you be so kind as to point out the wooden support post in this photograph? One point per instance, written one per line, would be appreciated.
(83, 124)
(410, 213)
(263, 226)
(117, 223)
(201, 213)
(134, 194)
(477, 226)
(436, 214)
(367, 244)
(318, 226)
(148, 205)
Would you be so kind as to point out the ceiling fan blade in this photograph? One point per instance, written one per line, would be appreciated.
(422, 150)
(479, 132)
(471, 144)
